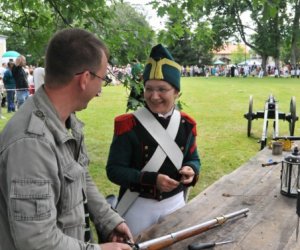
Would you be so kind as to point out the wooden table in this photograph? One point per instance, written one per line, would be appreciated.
(271, 221)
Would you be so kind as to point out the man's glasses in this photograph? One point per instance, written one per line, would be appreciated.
(106, 79)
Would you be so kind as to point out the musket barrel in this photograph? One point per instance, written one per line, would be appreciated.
(237, 213)
(167, 240)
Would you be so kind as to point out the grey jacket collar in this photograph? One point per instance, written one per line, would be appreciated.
(46, 110)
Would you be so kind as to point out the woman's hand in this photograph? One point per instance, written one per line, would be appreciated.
(187, 175)
(165, 184)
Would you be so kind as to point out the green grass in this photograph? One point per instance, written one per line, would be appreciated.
(217, 104)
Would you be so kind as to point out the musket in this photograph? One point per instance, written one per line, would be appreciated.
(170, 239)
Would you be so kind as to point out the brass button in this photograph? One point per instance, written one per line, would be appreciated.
(182, 121)
(146, 155)
(146, 147)
(182, 148)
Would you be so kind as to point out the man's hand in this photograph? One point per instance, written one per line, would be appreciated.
(115, 246)
(165, 184)
(187, 175)
(121, 233)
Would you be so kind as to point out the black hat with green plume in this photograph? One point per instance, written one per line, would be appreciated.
(161, 66)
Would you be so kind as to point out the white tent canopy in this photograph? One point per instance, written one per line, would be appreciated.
(250, 62)
(256, 62)
(9, 55)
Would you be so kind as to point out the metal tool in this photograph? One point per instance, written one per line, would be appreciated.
(270, 163)
(198, 246)
(298, 213)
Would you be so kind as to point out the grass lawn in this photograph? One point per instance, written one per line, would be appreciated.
(217, 104)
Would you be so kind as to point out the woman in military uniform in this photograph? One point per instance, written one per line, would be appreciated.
(153, 156)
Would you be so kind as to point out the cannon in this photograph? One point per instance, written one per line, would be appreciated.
(271, 111)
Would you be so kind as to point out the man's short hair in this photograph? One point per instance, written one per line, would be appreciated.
(72, 51)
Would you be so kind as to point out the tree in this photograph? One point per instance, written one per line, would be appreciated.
(182, 46)
(134, 37)
(29, 25)
(189, 46)
(269, 20)
(192, 16)
(295, 38)
(238, 55)
(268, 27)
(266, 24)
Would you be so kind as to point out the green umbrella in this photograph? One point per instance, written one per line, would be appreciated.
(219, 62)
(11, 53)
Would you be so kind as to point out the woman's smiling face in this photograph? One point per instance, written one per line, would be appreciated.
(160, 96)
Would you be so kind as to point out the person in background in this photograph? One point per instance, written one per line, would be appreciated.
(261, 73)
(1, 97)
(3, 94)
(138, 161)
(29, 73)
(46, 191)
(3, 69)
(298, 72)
(10, 86)
(38, 77)
(293, 72)
(20, 76)
(276, 73)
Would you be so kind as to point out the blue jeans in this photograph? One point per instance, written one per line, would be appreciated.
(22, 95)
(10, 96)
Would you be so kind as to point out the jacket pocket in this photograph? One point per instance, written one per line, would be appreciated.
(73, 186)
(31, 199)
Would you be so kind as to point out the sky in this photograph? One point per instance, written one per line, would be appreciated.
(141, 6)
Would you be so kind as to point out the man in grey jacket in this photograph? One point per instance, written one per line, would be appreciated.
(44, 180)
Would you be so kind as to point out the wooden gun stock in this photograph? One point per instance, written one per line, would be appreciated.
(170, 239)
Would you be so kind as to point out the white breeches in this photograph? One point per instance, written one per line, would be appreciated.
(146, 212)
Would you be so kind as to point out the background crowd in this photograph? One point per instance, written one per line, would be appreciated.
(17, 82)
(241, 71)
(118, 73)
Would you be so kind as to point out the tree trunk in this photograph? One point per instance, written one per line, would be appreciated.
(264, 60)
(295, 35)
(277, 64)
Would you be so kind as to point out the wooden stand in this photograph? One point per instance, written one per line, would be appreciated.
(271, 222)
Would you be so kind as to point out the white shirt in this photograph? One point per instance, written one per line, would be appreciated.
(38, 77)
(2, 70)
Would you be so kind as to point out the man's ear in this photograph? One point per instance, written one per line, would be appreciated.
(84, 80)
